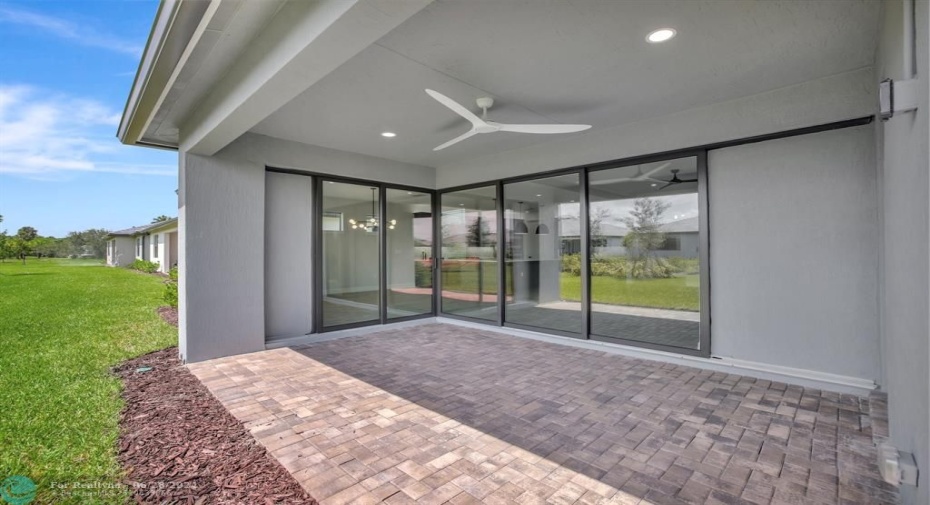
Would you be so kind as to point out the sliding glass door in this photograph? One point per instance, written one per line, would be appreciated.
(468, 225)
(645, 250)
(409, 260)
(351, 273)
(541, 256)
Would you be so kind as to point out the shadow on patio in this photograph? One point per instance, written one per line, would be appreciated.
(439, 413)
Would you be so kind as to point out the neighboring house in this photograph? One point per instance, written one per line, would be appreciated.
(163, 244)
(157, 242)
(306, 148)
(125, 246)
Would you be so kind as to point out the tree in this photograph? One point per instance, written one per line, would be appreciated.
(596, 231)
(160, 219)
(645, 236)
(478, 234)
(22, 243)
(27, 233)
(92, 241)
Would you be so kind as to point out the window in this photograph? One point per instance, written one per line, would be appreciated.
(468, 266)
(540, 216)
(644, 287)
(155, 245)
(139, 247)
(332, 221)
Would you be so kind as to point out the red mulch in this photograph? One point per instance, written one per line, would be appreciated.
(178, 444)
(169, 314)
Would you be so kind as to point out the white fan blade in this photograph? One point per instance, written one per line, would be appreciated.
(543, 128)
(460, 138)
(456, 107)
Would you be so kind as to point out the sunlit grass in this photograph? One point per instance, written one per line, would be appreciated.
(680, 292)
(63, 324)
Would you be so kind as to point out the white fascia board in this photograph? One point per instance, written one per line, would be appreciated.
(175, 24)
(305, 42)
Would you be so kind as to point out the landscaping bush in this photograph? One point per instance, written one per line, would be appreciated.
(171, 288)
(144, 266)
(623, 267)
(571, 263)
(423, 274)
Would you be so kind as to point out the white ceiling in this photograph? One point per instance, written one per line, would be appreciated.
(577, 61)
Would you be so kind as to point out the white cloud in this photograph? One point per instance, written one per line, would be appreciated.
(68, 30)
(47, 136)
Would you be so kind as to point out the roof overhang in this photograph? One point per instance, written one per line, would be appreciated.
(212, 70)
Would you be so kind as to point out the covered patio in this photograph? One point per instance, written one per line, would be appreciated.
(439, 413)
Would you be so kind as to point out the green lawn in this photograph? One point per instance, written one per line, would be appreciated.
(63, 323)
(673, 293)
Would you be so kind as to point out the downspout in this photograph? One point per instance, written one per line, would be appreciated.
(910, 41)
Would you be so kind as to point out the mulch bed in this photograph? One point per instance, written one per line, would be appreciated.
(178, 444)
(169, 314)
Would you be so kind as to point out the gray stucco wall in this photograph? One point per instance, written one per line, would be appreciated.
(221, 202)
(903, 163)
(794, 255)
(288, 286)
(221, 213)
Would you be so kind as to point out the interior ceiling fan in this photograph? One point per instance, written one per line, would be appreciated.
(482, 125)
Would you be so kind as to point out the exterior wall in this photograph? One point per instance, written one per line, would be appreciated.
(222, 214)
(221, 289)
(288, 286)
(145, 252)
(121, 251)
(905, 187)
(794, 252)
(161, 253)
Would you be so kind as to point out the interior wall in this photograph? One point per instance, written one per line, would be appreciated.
(905, 186)
(835, 98)
(288, 286)
(794, 252)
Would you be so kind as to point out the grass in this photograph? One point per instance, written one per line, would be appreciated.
(680, 293)
(63, 324)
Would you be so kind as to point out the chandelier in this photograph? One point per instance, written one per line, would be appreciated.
(370, 223)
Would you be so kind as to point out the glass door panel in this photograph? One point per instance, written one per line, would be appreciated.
(468, 225)
(542, 265)
(643, 225)
(351, 266)
(409, 253)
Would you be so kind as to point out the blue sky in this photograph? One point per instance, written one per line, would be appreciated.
(66, 68)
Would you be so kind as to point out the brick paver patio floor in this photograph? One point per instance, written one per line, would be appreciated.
(445, 414)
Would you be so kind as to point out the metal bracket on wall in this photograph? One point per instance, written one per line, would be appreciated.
(896, 97)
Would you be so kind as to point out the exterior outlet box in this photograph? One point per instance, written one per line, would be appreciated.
(897, 96)
(897, 467)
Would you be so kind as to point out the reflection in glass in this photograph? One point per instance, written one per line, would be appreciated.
(542, 269)
(469, 253)
(350, 254)
(643, 225)
(409, 253)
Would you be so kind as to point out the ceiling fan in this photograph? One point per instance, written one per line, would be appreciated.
(482, 125)
(675, 179)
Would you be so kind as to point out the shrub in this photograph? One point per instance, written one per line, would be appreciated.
(144, 266)
(571, 263)
(423, 274)
(171, 288)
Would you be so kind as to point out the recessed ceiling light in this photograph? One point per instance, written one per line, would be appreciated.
(388, 134)
(660, 35)
(538, 195)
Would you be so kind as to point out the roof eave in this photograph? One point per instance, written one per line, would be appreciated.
(174, 26)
